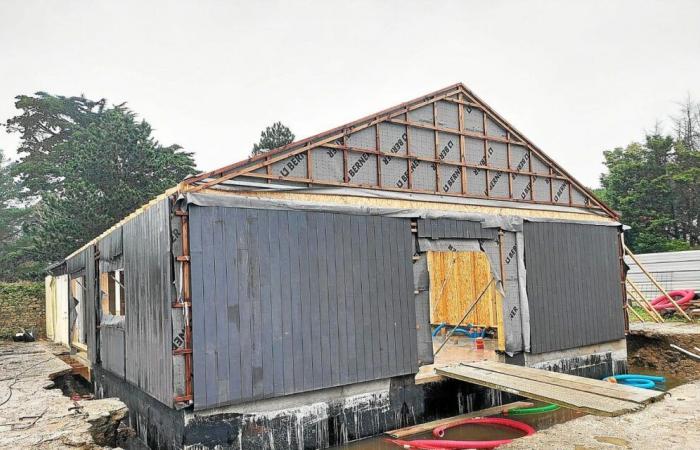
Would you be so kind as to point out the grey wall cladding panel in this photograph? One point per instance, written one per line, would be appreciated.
(454, 229)
(83, 264)
(573, 285)
(148, 326)
(112, 349)
(110, 246)
(77, 262)
(308, 301)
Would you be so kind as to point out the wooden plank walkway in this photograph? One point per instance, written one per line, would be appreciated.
(582, 394)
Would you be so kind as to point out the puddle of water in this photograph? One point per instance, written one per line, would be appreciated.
(474, 432)
(672, 380)
(485, 432)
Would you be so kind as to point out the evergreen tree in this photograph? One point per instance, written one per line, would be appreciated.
(84, 166)
(656, 188)
(15, 255)
(272, 137)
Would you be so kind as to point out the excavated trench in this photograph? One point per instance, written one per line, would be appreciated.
(649, 350)
(72, 386)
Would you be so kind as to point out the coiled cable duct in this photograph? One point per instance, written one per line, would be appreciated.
(441, 444)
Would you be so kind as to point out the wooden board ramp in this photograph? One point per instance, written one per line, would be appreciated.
(587, 395)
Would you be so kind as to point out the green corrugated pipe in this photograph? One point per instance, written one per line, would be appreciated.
(533, 410)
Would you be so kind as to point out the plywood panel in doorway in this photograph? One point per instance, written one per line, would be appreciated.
(456, 280)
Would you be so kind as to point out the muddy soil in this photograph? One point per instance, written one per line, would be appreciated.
(673, 423)
(649, 346)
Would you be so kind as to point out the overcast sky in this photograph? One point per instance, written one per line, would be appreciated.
(209, 75)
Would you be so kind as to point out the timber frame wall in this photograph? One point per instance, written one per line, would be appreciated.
(456, 171)
(424, 123)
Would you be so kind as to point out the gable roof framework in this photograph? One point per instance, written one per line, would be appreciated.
(448, 142)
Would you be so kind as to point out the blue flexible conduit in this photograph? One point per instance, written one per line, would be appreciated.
(638, 380)
(465, 331)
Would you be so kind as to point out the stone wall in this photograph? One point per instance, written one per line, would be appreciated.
(22, 305)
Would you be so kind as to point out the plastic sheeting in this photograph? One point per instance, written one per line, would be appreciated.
(507, 222)
(253, 184)
(504, 222)
(448, 245)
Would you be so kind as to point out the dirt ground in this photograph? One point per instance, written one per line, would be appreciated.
(33, 415)
(672, 423)
(649, 345)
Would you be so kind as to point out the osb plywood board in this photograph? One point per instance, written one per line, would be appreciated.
(456, 280)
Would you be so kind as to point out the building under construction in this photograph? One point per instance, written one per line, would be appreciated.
(293, 300)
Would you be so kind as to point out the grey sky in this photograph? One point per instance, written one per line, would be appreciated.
(208, 75)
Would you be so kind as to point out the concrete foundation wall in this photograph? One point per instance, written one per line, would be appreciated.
(155, 424)
(592, 361)
(334, 416)
(312, 420)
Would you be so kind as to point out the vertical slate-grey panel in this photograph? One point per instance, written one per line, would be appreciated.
(320, 300)
(110, 246)
(148, 327)
(83, 264)
(457, 229)
(91, 305)
(112, 349)
(573, 285)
